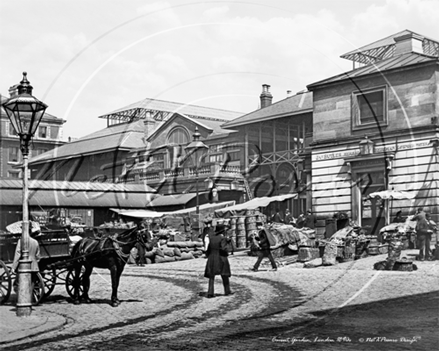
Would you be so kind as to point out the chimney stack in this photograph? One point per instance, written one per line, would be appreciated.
(289, 93)
(408, 42)
(149, 126)
(266, 96)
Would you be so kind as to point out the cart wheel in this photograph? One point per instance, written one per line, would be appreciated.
(38, 290)
(5, 283)
(70, 282)
(49, 278)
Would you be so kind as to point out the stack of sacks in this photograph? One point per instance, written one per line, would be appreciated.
(175, 251)
(193, 248)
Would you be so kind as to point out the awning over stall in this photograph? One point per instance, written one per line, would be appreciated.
(172, 200)
(256, 203)
(155, 214)
(77, 194)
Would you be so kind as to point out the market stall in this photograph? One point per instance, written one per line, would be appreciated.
(178, 240)
(243, 219)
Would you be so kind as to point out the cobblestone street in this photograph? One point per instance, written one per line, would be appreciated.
(163, 308)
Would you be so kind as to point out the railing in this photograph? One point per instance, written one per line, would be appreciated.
(212, 169)
(173, 173)
(152, 176)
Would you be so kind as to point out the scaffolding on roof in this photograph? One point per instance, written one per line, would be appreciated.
(384, 48)
(160, 110)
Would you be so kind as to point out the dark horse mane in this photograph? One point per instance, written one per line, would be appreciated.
(95, 248)
(110, 252)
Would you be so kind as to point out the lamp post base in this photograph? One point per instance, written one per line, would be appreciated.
(24, 295)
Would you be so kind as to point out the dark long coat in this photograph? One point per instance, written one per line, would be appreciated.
(217, 263)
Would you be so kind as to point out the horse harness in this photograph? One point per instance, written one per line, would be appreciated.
(97, 245)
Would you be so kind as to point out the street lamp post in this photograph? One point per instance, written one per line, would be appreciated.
(196, 148)
(25, 113)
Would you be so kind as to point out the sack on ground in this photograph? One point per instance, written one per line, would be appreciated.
(164, 259)
(133, 255)
(167, 251)
(313, 263)
(330, 254)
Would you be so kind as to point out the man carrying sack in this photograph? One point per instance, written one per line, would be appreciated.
(263, 249)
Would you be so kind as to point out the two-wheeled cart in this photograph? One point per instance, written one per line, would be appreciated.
(54, 248)
(56, 264)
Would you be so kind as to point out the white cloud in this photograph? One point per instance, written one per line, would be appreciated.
(170, 64)
(159, 13)
(234, 63)
(216, 12)
(391, 17)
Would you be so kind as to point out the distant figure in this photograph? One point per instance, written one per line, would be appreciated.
(300, 221)
(288, 219)
(229, 240)
(399, 218)
(217, 263)
(310, 220)
(423, 236)
(276, 218)
(432, 225)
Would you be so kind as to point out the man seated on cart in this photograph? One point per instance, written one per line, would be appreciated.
(34, 255)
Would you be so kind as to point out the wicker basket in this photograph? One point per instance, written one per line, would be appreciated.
(251, 226)
(383, 249)
(251, 219)
(241, 242)
(349, 253)
(373, 249)
(241, 226)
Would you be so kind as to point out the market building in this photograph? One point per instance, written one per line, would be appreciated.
(376, 128)
(276, 153)
(112, 155)
(164, 163)
(88, 203)
(370, 129)
(101, 156)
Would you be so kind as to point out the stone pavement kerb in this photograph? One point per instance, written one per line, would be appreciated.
(13, 328)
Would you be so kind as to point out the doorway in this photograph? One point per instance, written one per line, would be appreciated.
(371, 211)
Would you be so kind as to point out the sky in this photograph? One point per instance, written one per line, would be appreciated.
(88, 58)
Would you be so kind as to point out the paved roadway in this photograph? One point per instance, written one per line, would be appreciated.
(344, 307)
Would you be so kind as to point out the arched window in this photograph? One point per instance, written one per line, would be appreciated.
(178, 136)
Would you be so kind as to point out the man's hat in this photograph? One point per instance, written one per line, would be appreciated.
(220, 227)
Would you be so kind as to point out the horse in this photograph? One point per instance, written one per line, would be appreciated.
(110, 252)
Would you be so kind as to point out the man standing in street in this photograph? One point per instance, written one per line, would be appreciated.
(217, 263)
(264, 249)
(423, 236)
(34, 255)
